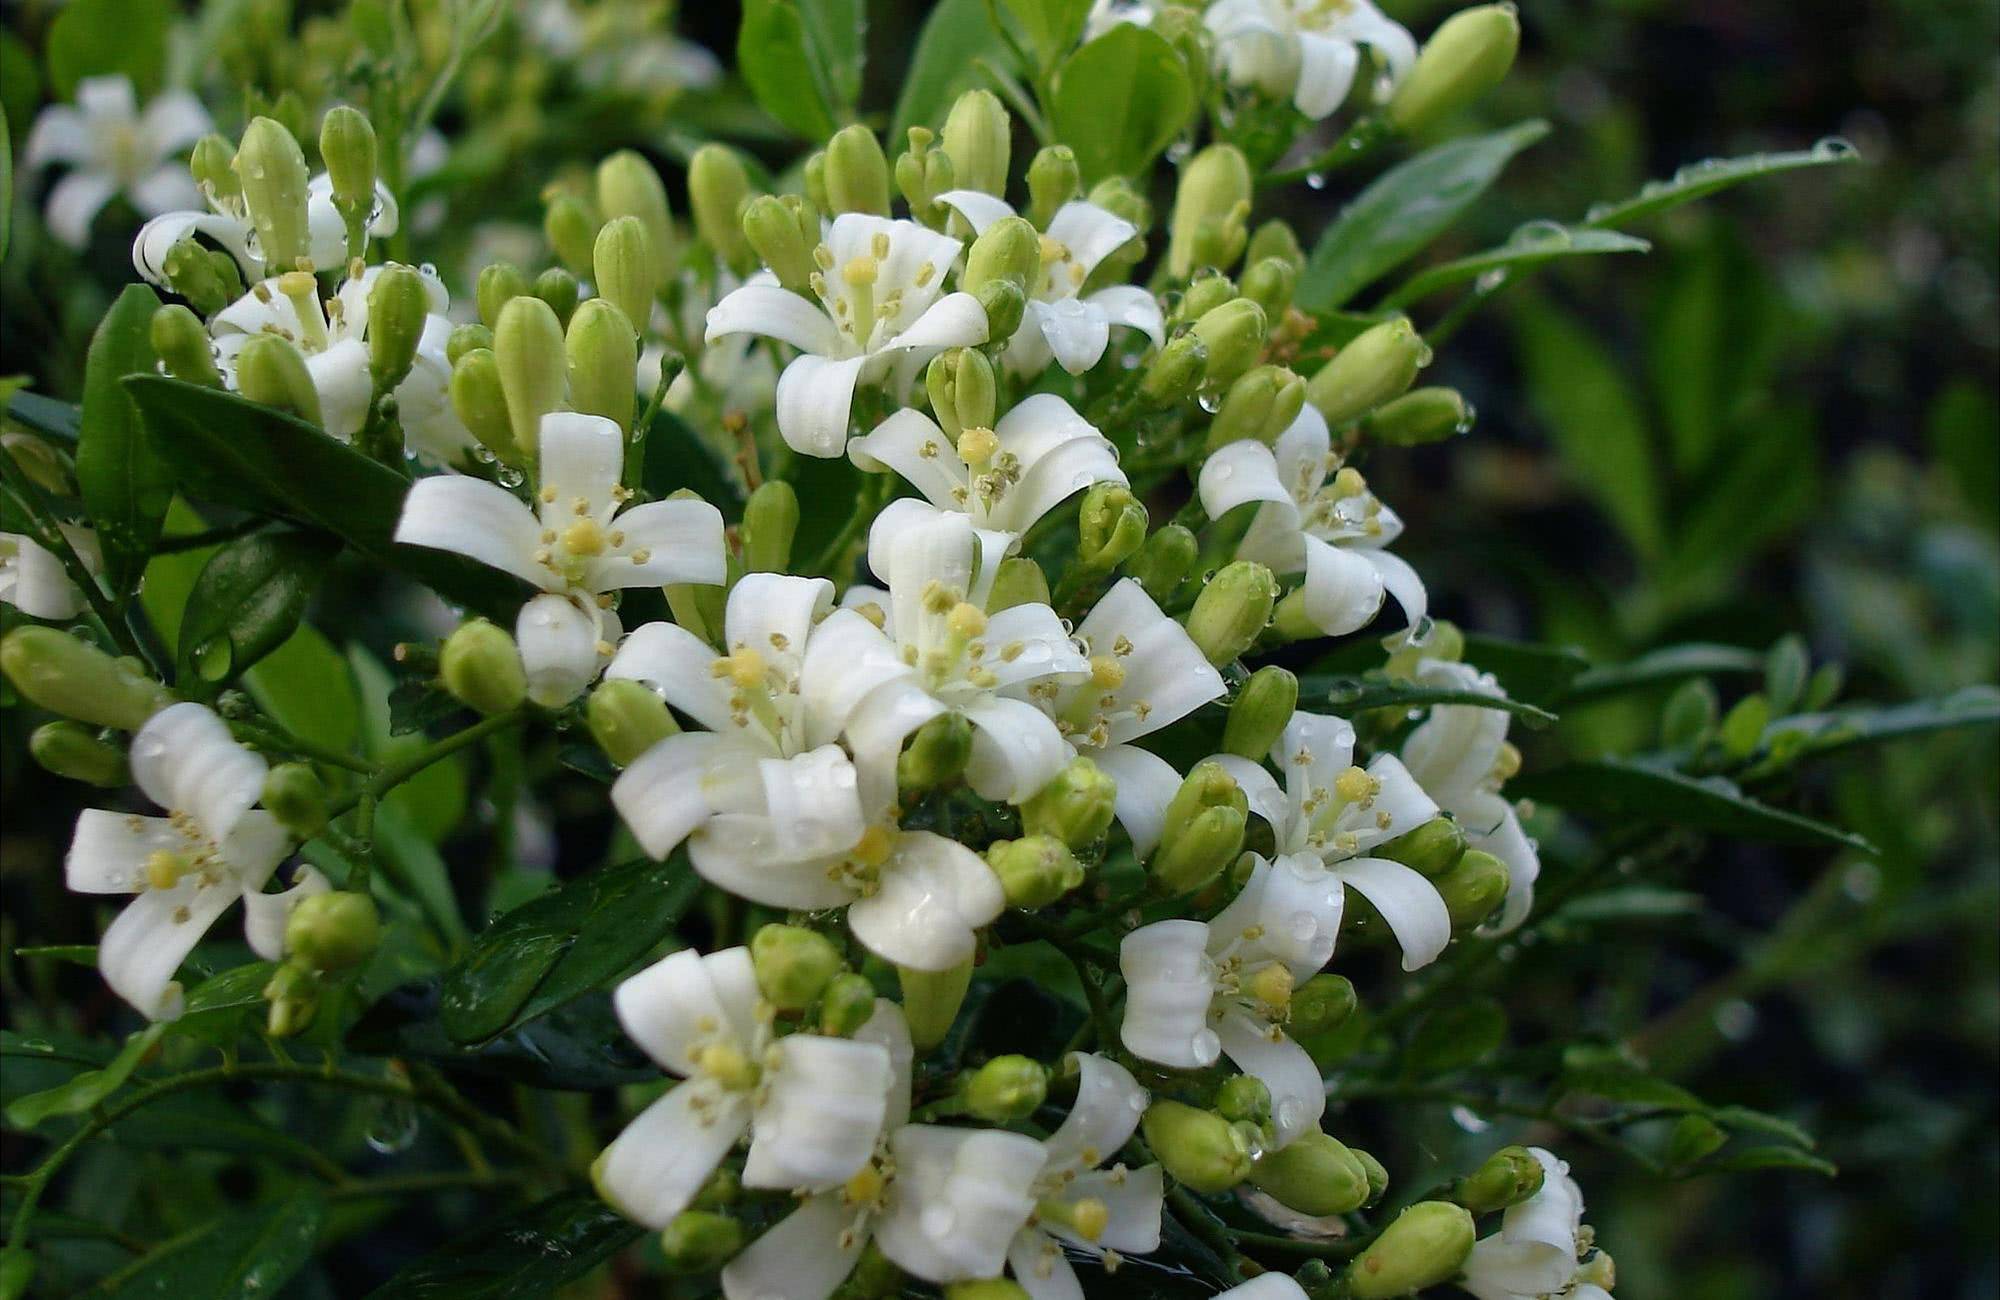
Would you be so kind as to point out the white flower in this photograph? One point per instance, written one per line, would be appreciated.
(814, 1106)
(113, 148)
(1038, 455)
(881, 302)
(1108, 14)
(333, 339)
(1536, 1252)
(1328, 816)
(34, 581)
(1145, 673)
(1460, 756)
(959, 1197)
(211, 849)
(575, 545)
(1060, 323)
(228, 224)
(1335, 532)
(733, 374)
(1307, 50)
(1267, 1286)
(617, 45)
(1080, 1205)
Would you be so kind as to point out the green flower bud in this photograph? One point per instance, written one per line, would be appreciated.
(1176, 372)
(1321, 1003)
(1465, 57)
(603, 357)
(718, 187)
(333, 931)
(857, 172)
(1234, 335)
(481, 668)
(560, 290)
(1162, 564)
(72, 750)
(1275, 238)
(1200, 1148)
(1005, 1089)
(1009, 249)
(1419, 416)
(347, 147)
(1004, 303)
(294, 794)
(931, 999)
(481, 404)
(1244, 1097)
(1688, 719)
(991, 1288)
(623, 259)
(1509, 1176)
(1695, 1138)
(1076, 807)
(846, 1005)
(627, 186)
(1196, 843)
(467, 338)
(1430, 850)
(271, 169)
(1314, 1174)
(936, 754)
(183, 347)
(793, 965)
(1423, 1247)
(528, 344)
(627, 718)
(1259, 406)
(1291, 622)
(813, 172)
(270, 371)
(46, 466)
(1472, 889)
(963, 390)
(1743, 726)
(293, 992)
(696, 607)
(783, 231)
(499, 284)
(1207, 291)
(1786, 666)
(571, 229)
(700, 1241)
(1211, 204)
(1110, 527)
(1232, 610)
(1823, 687)
(724, 1187)
(1034, 871)
(72, 678)
(923, 173)
(1270, 283)
(770, 520)
(213, 165)
(1118, 196)
(1053, 180)
(1258, 715)
(1376, 366)
(193, 273)
(1378, 1177)
(399, 306)
(977, 137)
(1019, 581)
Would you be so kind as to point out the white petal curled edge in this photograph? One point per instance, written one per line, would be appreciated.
(1410, 904)
(1239, 473)
(1326, 74)
(1109, 1102)
(774, 313)
(1132, 307)
(1040, 1268)
(141, 950)
(264, 915)
(1146, 784)
(934, 895)
(559, 642)
(953, 321)
(1298, 1094)
(676, 663)
(686, 1000)
(912, 445)
(469, 516)
(979, 209)
(958, 1198)
(661, 795)
(819, 1113)
(1169, 985)
(1016, 749)
(1077, 332)
(186, 761)
(805, 1256)
(1270, 1286)
(1344, 586)
(652, 1171)
(1296, 904)
(1090, 233)
(814, 398)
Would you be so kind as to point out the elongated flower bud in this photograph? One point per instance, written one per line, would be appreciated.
(481, 404)
(1009, 249)
(270, 371)
(1053, 180)
(467, 338)
(935, 756)
(1430, 850)
(271, 169)
(770, 520)
(1465, 57)
(1260, 711)
(294, 993)
(571, 229)
(700, 1241)
(1034, 871)
(1177, 372)
(1020, 581)
(528, 344)
(783, 231)
(1275, 238)
(294, 794)
(195, 274)
(793, 965)
(627, 718)
(333, 931)
(1423, 1247)
(846, 1005)
(1201, 832)
(978, 136)
(1232, 610)
(1321, 1003)
(499, 284)
(628, 186)
(1005, 304)
(1076, 807)
(347, 147)
(183, 346)
(1259, 406)
(1162, 564)
(931, 1000)
(1270, 283)
(923, 173)
(1419, 416)
(857, 172)
(624, 262)
(481, 668)
(1314, 1174)
(1111, 527)
(813, 172)
(603, 357)
(399, 306)
(963, 389)
(72, 750)
(1509, 1176)
(1207, 291)
(1376, 366)
(72, 678)
(1472, 889)
(560, 290)
(213, 164)
(1211, 204)
(1234, 335)
(1005, 1089)
(1244, 1097)
(1198, 1147)
(718, 187)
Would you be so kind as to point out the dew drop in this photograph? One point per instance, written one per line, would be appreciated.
(393, 1127)
(1315, 180)
(212, 658)
(1469, 1120)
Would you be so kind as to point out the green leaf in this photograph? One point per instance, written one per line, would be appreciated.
(1847, 728)
(1742, 1117)
(1529, 247)
(1120, 100)
(562, 944)
(237, 453)
(248, 601)
(32, 1063)
(1962, 430)
(1658, 667)
(304, 686)
(434, 799)
(1539, 674)
(525, 1256)
(1594, 421)
(1628, 1087)
(1632, 903)
(1051, 26)
(677, 457)
(1624, 792)
(217, 1006)
(242, 1256)
(787, 69)
(1356, 694)
(1714, 335)
(45, 415)
(1770, 1157)
(1455, 1036)
(6, 183)
(82, 1092)
(579, 1047)
(1699, 180)
(956, 38)
(95, 38)
(1405, 209)
(411, 861)
(125, 486)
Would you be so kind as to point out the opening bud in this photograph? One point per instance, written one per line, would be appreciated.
(347, 147)
(270, 371)
(1053, 180)
(603, 355)
(1110, 527)
(963, 390)
(481, 668)
(770, 520)
(1259, 406)
(1466, 56)
(1018, 581)
(1424, 1246)
(1034, 871)
(70, 749)
(1005, 1089)
(931, 999)
(1234, 335)
(718, 187)
(70, 677)
(213, 164)
(499, 284)
(1377, 365)
(481, 404)
(333, 931)
(627, 718)
(1430, 850)
(1076, 807)
(1509, 1176)
(793, 965)
(271, 169)
(700, 1241)
(627, 186)
(293, 992)
(857, 172)
(399, 306)
(977, 138)
(1314, 1174)
(183, 347)
(294, 794)
(1322, 1003)
(1177, 372)
(783, 231)
(1419, 416)
(1258, 715)
(1199, 1148)
(1211, 204)
(1472, 889)
(1009, 249)
(846, 1005)
(1232, 610)
(1244, 1098)
(528, 344)
(571, 229)
(1162, 564)
(1201, 832)
(1378, 1177)
(1207, 291)
(923, 173)
(935, 755)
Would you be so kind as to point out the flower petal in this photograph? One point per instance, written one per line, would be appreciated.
(1239, 473)
(60, 134)
(108, 851)
(1266, 796)
(805, 1256)
(814, 398)
(889, 1028)
(846, 659)
(1089, 232)
(979, 209)
(933, 896)
(681, 539)
(1402, 582)
(775, 613)
(1410, 904)
(1169, 984)
(819, 1113)
(142, 949)
(1295, 906)
(813, 803)
(1102, 1119)
(1343, 588)
(186, 761)
(1132, 307)
(452, 512)
(1166, 675)
(684, 1000)
(1146, 784)
(1134, 1197)
(775, 313)
(1076, 331)
(173, 121)
(912, 445)
(559, 643)
(953, 321)
(1490, 824)
(1298, 1094)
(733, 851)
(265, 915)
(157, 238)
(1016, 749)
(34, 581)
(581, 459)
(74, 202)
(666, 793)
(341, 377)
(678, 664)
(1326, 74)
(1041, 1268)
(958, 1198)
(653, 1170)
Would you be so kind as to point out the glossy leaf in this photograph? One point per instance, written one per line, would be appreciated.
(1349, 695)
(562, 944)
(781, 53)
(1403, 211)
(125, 485)
(1051, 26)
(217, 1007)
(1624, 792)
(1120, 100)
(956, 39)
(528, 1255)
(1770, 1157)
(248, 600)
(1846, 728)
(1531, 246)
(1539, 674)
(1664, 666)
(85, 1090)
(233, 1257)
(96, 38)
(1632, 903)
(1699, 180)
(1631, 1087)
(578, 1047)
(46, 416)
(32, 1063)
(434, 799)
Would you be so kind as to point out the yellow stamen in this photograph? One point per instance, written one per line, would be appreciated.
(1106, 673)
(584, 537)
(976, 446)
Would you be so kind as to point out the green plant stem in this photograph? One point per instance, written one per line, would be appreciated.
(1361, 139)
(1203, 1225)
(391, 775)
(269, 735)
(865, 510)
(417, 1184)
